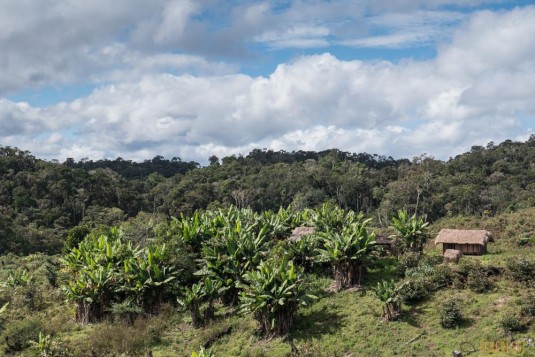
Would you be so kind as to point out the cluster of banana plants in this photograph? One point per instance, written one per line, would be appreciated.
(206, 291)
(272, 293)
(346, 250)
(242, 258)
(104, 270)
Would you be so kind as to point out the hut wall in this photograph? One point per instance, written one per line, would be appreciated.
(467, 249)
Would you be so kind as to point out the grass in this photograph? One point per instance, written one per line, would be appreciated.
(337, 324)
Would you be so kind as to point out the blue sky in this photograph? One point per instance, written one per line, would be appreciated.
(187, 78)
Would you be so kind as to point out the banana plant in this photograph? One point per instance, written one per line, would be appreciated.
(191, 299)
(302, 251)
(213, 289)
(104, 270)
(411, 230)
(346, 252)
(387, 293)
(19, 277)
(272, 293)
(148, 276)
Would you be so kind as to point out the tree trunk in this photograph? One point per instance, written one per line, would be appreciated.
(209, 313)
(347, 274)
(196, 318)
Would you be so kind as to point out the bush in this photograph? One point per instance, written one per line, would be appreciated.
(125, 311)
(450, 312)
(528, 306)
(408, 260)
(19, 335)
(479, 282)
(511, 323)
(421, 271)
(475, 276)
(442, 277)
(414, 290)
(521, 269)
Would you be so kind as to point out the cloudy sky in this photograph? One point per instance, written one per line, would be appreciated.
(192, 78)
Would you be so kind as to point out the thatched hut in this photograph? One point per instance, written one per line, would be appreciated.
(468, 242)
(384, 241)
(452, 255)
(298, 232)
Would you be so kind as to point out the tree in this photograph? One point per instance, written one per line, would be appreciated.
(346, 252)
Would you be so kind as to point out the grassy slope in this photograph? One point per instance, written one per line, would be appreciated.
(342, 324)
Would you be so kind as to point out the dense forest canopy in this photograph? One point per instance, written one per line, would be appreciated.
(40, 200)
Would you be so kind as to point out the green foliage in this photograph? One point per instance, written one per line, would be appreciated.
(411, 231)
(202, 353)
(126, 311)
(521, 269)
(408, 260)
(18, 335)
(273, 293)
(442, 277)
(528, 306)
(470, 273)
(48, 347)
(510, 322)
(388, 293)
(346, 251)
(74, 236)
(302, 252)
(19, 277)
(414, 290)
(52, 267)
(450, 312)
(105, 270)
(3, 308)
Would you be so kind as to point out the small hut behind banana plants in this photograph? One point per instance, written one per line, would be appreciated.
(468, 242)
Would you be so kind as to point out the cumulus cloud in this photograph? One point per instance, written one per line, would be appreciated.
(478, 88)
(56, 42)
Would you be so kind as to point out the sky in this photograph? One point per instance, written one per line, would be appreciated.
(190, 79)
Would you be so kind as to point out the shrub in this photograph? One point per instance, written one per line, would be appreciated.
(475, 276)
(421, 271)
(528, 306)
(442, 277)
(450, 312)
(479, 282)
(521, 269)
(414, 290)
(511, 323)
(408, 260)
(125, 311)
(19, 335)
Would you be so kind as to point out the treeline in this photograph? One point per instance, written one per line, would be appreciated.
(40, 200)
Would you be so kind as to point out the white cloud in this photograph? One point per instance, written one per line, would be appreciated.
(479, 88)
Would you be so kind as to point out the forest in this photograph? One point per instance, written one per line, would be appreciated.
(40, 200)
(166, 257)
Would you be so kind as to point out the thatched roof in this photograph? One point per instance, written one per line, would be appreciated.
(462, 236)
(383, 240)
(298, 232)
(452, 255)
